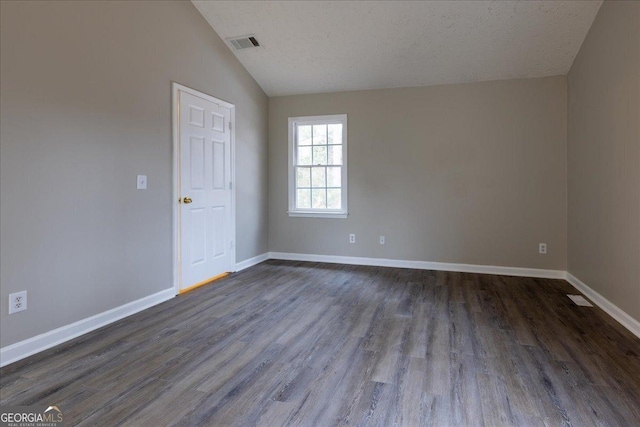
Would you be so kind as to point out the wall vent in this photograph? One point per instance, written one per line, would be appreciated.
(244, 42)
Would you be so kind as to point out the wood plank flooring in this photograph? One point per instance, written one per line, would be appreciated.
(301, 344)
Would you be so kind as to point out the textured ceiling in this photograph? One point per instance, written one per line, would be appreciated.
(331, 46)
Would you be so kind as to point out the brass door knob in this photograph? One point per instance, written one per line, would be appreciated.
(187, 200)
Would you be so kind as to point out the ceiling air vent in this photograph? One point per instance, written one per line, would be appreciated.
(244, 42)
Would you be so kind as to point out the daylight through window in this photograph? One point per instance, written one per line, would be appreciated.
(318, 169)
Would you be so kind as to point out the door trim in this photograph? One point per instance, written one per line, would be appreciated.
(175, 129)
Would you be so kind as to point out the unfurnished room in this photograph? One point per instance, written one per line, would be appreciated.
(319, 213)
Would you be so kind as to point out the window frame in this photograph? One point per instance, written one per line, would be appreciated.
(294, 122)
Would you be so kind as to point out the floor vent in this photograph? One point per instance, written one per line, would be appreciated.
(244, 42)
(580, 300)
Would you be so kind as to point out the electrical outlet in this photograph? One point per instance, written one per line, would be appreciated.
(352, 238)
(542, 248)
(17, 302)
(382, 240)
(141, 182)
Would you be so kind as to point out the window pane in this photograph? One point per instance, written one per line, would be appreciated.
(335, 155)
(304, 178)
(334, 198)
(318, 178)
(335, 134)
(319, 134)
(303, 199)
(334, 177)
(304, 155)
(304, 135)
(319, 162)
(319, 199)
(320, 155)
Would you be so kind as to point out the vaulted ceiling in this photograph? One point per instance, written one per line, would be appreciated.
(326, 46)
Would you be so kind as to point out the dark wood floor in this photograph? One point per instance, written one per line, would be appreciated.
(287, 343)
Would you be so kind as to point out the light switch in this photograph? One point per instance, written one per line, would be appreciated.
(142, 182)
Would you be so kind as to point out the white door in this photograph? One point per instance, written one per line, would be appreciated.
(206, 240)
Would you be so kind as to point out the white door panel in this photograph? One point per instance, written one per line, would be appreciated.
(205, 176)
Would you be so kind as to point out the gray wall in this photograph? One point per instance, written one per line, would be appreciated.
(604, 157)
(86, 105)
(471, 173)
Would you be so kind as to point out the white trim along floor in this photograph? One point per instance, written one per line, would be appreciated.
(31, 346)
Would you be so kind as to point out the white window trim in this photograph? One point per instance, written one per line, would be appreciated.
(317, 213)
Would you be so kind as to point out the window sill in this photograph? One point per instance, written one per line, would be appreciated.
(336, 215)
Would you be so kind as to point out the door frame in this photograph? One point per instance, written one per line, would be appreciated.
(175, 126)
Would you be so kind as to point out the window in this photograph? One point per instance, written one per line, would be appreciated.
(318, 166)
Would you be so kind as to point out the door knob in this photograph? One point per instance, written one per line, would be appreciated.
(187, 200)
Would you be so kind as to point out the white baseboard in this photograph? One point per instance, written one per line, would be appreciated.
(30, 346)
(613, 310)
(422, 265)
(251, 261)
